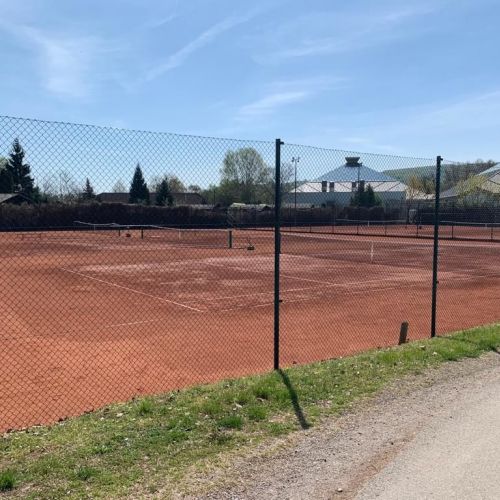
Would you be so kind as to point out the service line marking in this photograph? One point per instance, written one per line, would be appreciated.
(116, 285)
(289, 290)
(135, 322)
(306, 299)
(320, 282)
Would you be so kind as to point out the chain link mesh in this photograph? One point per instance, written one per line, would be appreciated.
(138, 262)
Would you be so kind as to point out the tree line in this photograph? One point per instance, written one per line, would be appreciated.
(15, 173)
(16, 178)
(244, 177)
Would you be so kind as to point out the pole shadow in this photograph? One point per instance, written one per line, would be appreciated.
(304, 424)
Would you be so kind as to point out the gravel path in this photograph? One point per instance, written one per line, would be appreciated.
(432, 436)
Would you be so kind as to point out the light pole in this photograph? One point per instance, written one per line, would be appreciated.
(295, 160)
(358, 185)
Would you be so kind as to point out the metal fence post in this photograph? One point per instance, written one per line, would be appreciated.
(436, 246)
(277, 251)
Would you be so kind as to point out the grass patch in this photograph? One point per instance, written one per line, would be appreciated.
(85, 473)
(231, 422)
(7, 480)
(145, 407)
(134, 448)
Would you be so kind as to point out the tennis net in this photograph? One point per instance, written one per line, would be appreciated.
(179, 236)
(196, 237)
(472, 225)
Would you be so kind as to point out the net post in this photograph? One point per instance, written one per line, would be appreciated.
(439, 160)
(230, 238)
(277, 251)
(403, 333)
(142, 233)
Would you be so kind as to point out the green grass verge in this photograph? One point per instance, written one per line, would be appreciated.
(143, 445)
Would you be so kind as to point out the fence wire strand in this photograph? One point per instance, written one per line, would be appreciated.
(139, 262)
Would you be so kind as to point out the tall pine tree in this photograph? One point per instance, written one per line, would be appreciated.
(139, 192)
(20, 171)
(6, 184)
(163, 194)
(88, 191)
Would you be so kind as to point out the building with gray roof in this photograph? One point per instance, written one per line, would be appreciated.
(339, 185)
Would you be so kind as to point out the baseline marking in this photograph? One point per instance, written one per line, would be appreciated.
(132, 290)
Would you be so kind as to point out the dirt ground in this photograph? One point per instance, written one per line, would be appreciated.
(91, 318)
(429, 436)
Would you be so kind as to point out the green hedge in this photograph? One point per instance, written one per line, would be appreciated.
(53, 215)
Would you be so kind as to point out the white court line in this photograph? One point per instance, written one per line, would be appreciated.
(135, 322)
(427, 242)
(132, 290)
(320, 282)
(467, 276)
(308, 299)
(210, 299)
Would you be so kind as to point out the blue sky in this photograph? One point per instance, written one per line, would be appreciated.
(413, 78)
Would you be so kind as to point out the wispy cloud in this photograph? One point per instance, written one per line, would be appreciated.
(162, 21)
(178, 58)
(352, 32)
(461, 128)
(471, 112)
(270, 102)
(66, 64)
(285, 92)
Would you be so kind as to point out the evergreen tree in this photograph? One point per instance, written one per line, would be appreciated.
(365, 197)
(359, 197)
(371, 199)
(163, 194)
(38, 197)
(6, 184)
(19, 170)
(88, 191)
(139, 192)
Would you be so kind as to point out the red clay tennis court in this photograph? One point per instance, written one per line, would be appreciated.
(94, 317)
(449, 230)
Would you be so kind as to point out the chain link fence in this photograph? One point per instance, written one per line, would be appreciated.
(138, 262)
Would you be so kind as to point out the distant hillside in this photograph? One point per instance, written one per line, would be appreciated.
(404, 174)
(450, 174)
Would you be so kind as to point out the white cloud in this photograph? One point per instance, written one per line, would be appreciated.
(270, 102)
(178, 58)
(285, 92)
(162, 21)
(352, 32)
(67, 65)
(462, 128)
(473, 112)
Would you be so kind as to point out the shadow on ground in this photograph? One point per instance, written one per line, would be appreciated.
(304, 424)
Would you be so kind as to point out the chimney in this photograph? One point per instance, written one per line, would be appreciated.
(352, 161)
